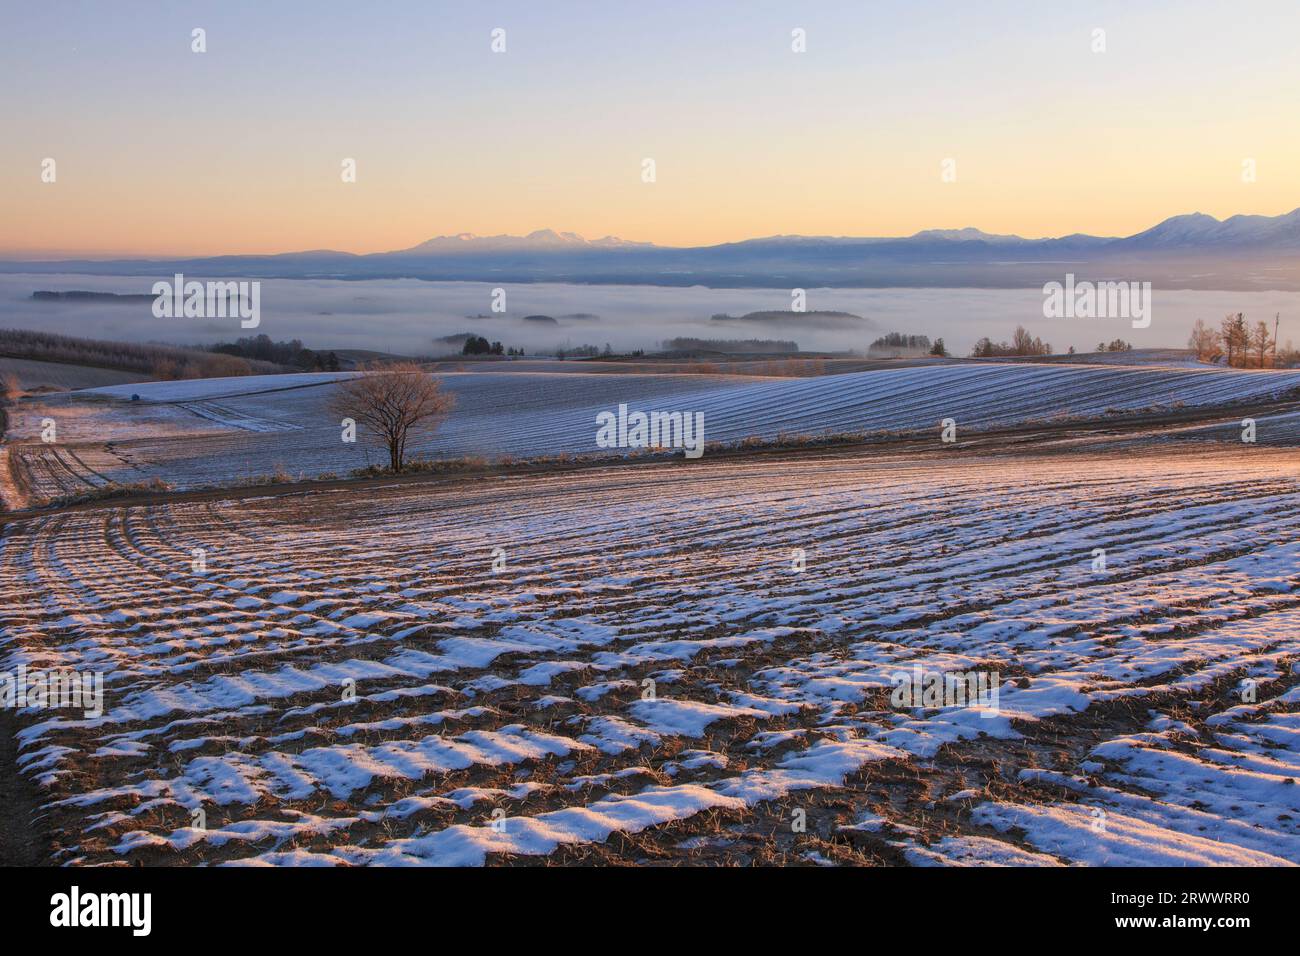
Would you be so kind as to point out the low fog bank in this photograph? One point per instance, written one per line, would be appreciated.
(410, 316)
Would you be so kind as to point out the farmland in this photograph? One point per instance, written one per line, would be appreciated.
(488, 439)
(635, 664)
(221, 431)
(663, 660)
(32, 374)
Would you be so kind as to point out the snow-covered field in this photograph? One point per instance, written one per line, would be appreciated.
(219, 431)
(626, 664)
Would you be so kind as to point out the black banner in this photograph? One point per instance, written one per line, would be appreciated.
(217, 905)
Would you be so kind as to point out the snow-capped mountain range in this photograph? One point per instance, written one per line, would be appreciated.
(538, 240)
(1187, 231)
(1188, 251)
(1199, 230)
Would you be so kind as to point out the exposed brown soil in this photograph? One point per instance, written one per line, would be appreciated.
(22, 842)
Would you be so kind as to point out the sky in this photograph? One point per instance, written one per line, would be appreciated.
(160, 150)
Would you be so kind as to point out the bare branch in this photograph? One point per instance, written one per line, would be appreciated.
(392, 402)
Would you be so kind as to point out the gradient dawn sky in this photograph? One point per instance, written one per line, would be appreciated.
(160, 150)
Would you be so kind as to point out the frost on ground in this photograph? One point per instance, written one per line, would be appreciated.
(640, 675)
(220, 431)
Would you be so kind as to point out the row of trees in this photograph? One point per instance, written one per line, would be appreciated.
(162, 361)
(900, 342)
(477, 345)
(292, 353)
(584, 351)
(688, 343)
(1022, 343)
(1115, 345)
(903, 345)
(1235, 341)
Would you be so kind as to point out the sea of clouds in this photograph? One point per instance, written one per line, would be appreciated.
(408, 315)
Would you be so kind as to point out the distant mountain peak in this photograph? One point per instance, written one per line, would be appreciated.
(968, 234)
(537, 240)
(1187, 231)
(1197, 229)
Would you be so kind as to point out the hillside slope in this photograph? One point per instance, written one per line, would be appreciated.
(218, 431)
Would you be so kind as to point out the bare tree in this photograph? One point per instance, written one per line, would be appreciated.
(391, 404)
(1288, 357)
(1022, 343)
(1235, 337)
(1260, 342)
(1205, 341)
